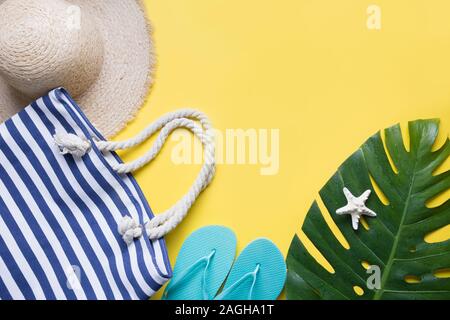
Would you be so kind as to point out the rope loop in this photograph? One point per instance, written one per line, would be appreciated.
(192, 120)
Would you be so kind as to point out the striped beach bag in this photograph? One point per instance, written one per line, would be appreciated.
(74, 223)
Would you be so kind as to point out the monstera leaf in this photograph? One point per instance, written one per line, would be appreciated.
(394, 240)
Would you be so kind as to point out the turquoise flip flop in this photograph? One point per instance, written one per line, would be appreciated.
(202, 265)
(259, 273)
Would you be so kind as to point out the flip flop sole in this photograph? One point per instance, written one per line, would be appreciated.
(199, 244)
(261, 254)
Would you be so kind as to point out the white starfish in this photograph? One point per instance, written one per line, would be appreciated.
(356, 207)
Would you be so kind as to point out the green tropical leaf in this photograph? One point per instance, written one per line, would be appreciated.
(394, 240)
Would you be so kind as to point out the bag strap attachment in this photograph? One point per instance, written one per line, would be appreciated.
(192, 120)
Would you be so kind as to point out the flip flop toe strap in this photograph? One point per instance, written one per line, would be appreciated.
(253, 275)
(205, 261)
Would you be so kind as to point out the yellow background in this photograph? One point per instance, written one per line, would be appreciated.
(310, 68)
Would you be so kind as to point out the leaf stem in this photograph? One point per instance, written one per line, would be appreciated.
(393, 252)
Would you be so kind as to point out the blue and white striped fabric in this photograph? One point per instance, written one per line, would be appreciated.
(59, 214)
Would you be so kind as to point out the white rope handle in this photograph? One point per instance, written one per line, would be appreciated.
(165, 222)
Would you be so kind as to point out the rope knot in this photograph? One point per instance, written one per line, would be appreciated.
(130, 229)
(69, 143)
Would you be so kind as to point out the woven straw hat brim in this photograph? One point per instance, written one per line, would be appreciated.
(126, 72)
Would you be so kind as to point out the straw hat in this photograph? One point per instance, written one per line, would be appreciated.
(99, 50)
